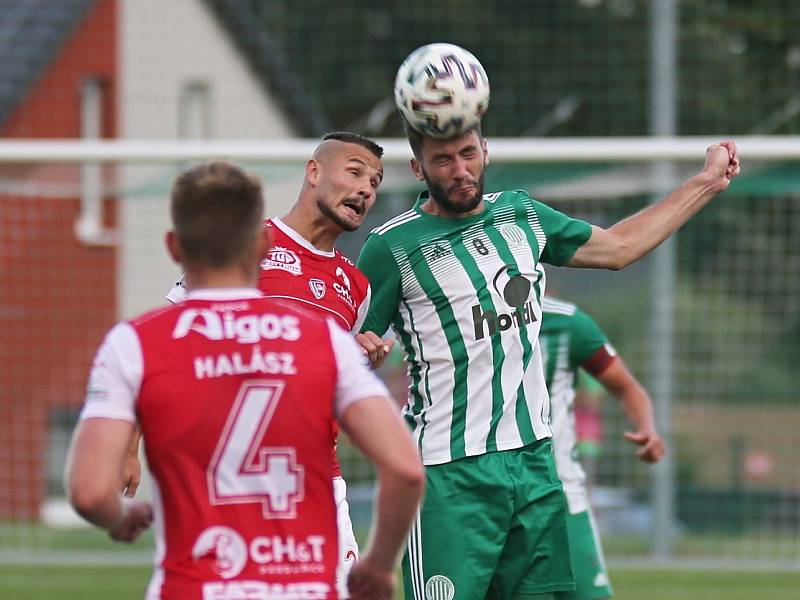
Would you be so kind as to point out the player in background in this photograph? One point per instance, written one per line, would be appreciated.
(236, 395)
(571, 340)
(459, 276)
(303, 266)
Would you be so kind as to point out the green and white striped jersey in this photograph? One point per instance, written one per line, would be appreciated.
(464, 298)
(569, 338)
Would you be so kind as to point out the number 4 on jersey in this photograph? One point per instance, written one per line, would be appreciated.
(240, 471)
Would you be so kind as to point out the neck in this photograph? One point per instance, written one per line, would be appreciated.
(314, 227)
(229, 277)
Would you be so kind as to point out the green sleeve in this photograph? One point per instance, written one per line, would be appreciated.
(564, 234)
(586, 338)
(378, 264)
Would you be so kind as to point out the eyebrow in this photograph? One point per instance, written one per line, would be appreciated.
(363, 163)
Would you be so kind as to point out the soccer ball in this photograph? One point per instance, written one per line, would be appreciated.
(441, 90)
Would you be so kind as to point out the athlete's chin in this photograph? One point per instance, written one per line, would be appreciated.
(348, 226)
(463, 205)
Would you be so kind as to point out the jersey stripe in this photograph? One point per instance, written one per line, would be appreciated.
(558, 306)
(456, 381)
(315, 305)
(482, 417)
(405, 217)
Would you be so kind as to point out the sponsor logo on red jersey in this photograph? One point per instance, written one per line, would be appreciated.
(282, 258)
(318, 287)
(245, 329)
(273, 553)
(343, 288)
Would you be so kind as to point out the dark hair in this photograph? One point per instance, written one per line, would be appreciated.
(354, 138)
(217, 210)
(415, 138)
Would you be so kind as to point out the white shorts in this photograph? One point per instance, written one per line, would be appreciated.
(348, 547)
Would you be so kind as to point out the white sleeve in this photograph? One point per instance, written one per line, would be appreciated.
(116, 376)
(178, 291)
(354, 381)
(362, 311)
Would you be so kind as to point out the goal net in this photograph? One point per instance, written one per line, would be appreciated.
(716, 346)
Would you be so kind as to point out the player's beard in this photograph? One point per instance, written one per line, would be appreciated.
(343, 224)
(439, 195)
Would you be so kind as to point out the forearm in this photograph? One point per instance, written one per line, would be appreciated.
(396, 506)
(632, 238)
(638, 408)
(647, 229)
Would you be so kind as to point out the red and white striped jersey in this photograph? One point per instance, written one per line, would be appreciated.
(326, 283)
(236, 395)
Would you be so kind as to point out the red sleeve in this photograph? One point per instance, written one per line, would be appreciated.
(599, 361)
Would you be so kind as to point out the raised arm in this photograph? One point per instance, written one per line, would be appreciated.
(619, 381)
(632, 238)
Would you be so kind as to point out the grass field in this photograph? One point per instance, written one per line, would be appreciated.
(128, 583)
(28, 553)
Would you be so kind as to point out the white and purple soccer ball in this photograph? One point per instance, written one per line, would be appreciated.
(441, 90)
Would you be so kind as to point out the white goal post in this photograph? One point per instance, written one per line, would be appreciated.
(591, 149)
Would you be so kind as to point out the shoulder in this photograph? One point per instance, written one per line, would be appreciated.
(556, 306)
(153, 317)
(397, 224)
(506, 197)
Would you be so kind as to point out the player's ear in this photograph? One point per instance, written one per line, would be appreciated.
(173, 246)
(416, 168)
(312, 172)
(485, 149)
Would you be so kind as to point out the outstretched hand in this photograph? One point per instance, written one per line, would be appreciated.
(651, 446)
(722, 162)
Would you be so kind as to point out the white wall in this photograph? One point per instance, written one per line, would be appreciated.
(164, 45)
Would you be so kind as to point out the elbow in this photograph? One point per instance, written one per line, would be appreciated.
(89, 500)
(413, 477)
(623, 257)
(617, 265)
(86, 503)
(410, 477)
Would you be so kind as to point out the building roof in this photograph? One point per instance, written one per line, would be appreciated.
(32, 32)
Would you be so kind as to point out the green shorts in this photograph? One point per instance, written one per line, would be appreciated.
(591, 577)
(491, 526)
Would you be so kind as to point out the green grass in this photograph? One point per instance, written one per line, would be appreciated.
(648, 584)
(128, 583)
(73, 583)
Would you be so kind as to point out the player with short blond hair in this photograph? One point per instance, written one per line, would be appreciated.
(236, 396)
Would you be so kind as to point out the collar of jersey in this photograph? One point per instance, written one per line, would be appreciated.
(224, 294)
(425, 195)
(300, 239)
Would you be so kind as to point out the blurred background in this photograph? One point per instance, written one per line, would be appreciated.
(710, 323)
